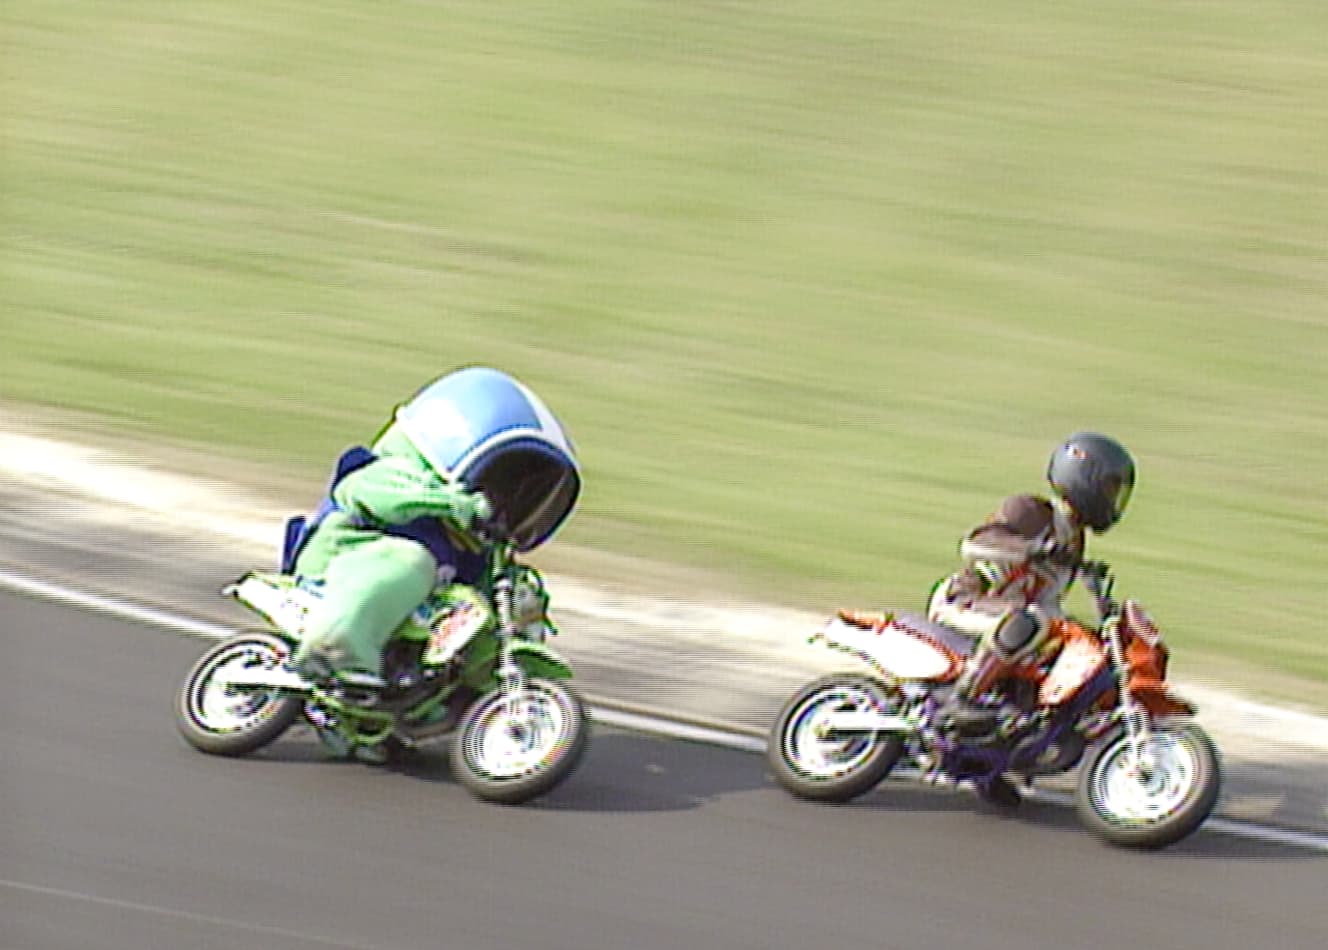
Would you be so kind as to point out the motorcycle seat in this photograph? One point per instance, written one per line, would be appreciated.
(957, 643)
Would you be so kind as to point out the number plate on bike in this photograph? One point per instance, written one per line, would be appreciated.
(1079, 659)
(452, 631)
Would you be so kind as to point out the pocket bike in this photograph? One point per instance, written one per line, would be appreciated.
(470, 661)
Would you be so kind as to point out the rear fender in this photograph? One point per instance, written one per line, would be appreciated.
(894, 648)
(278, 598)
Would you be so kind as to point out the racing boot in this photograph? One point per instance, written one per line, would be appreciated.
(961, 709)
(999, 791)
(358, 687)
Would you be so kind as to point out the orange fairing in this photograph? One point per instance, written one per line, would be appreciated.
(1146, 658)
(1080, 656)
(864, 619)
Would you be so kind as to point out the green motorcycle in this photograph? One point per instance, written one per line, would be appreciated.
(470, 661)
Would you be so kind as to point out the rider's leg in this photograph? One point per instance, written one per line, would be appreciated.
(372, 583)
(1010, 637)
(1019, 635)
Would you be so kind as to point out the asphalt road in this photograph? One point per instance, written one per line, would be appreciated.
(114, 834)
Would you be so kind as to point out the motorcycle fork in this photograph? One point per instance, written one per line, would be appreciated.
(511, 677)
(1129, 712)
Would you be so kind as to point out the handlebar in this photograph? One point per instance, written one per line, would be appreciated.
(489, 531)
(1099, 581)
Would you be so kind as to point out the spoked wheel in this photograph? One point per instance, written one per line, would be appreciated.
(812, 761)
(1157, 802)
(513, 747)
(220, 719)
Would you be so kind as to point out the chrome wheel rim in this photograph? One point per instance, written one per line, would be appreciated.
(816, 751)
(219, 707)
(1125, 794)
(516, 735)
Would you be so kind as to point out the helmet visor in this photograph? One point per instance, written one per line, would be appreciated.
(1117, 492)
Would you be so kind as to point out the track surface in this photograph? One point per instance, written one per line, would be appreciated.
(116, 835)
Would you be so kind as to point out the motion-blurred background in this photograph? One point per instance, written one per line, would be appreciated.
(813, 284)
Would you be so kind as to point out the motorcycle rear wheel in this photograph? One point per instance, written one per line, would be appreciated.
(511, 748)
(219, 720)
(812, 763)
(1158, 809)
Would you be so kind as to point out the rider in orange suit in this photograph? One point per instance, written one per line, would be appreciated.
(1018, 565)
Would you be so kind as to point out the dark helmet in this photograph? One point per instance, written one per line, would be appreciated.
(1095, 474)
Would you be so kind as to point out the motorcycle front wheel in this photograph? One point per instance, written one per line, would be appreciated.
(1154, 806)
(811, 761)
(512, 747)
(219, 719)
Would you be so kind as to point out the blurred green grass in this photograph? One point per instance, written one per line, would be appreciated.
(812, 284)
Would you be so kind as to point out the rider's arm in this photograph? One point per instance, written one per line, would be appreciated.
(397, 490)
(1008, 539)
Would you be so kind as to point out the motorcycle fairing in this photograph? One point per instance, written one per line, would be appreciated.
(446, 622)
(280, 599)
(1083, 657)
(449, 620)
(901, 645)
(1147, 657)
(1080, 658)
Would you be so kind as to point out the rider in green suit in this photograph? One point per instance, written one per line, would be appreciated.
(474, 449)
(373, 579)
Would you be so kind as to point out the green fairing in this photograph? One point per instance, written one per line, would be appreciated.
(441, 602)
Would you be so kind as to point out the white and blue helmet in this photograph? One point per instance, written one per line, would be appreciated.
(480, 427)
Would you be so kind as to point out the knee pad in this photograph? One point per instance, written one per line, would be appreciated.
(1016, 633)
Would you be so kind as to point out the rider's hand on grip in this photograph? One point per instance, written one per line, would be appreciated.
(490, 526)
(1097, 571)
(472, 510)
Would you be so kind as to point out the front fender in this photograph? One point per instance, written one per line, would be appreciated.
(536, 659)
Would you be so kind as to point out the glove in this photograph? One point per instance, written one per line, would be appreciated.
(471, 509)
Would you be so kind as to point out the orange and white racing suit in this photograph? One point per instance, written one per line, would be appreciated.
(1010, 588)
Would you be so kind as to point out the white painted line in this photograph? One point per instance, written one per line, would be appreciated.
(170, 912)
(1226, 826)
(638, 722)
(116, 608)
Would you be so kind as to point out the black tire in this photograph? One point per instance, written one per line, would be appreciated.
(254, 719)
(835, 769)
(542, 754)
(1185, 788)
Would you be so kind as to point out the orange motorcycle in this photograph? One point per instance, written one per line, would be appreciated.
(1097, 697)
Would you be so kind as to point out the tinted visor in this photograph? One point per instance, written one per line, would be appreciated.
(531, 490)
(1117, 491)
